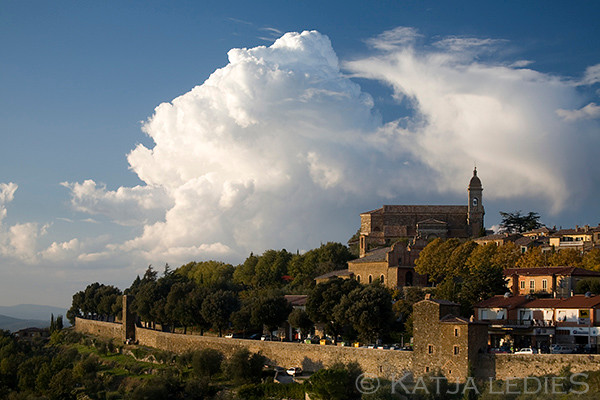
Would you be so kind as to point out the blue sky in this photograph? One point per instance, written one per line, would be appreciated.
(387, 102)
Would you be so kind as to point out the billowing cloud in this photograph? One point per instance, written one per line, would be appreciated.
(280, 148)
(18, 241)
(590, 111)
(466, 110)
(124, 206)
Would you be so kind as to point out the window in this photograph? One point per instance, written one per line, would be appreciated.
(456, 350)
(455, 331)
(475, 201)
(382, 279)
(358, 278)
(370, 278)
(426, 369)
(522, 284)
(532, 285)
(430, 349)
(544, 284)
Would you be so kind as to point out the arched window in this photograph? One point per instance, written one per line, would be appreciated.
(358, 278)
(382, 278)
(370, 278)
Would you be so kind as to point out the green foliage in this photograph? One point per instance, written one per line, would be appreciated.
(299, 319)
(322, 300)
(515, 222)
(465, 272)
(588, 285)
(566, 257)
(207, 362)
(533, 258)
(244, 367)
(335, 383)
(214, 274)
(304, 268)
(96, 301)
(269, 309)
(271, 391)
(368, 309)
(591, 260)
(217, 308)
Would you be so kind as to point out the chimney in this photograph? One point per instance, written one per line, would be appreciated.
(576, 228)
(586, 228)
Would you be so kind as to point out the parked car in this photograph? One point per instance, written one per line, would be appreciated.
(294, 371)
(526, 350)
(499, 350)
(559, 349)
(233, 336)
(255, 336)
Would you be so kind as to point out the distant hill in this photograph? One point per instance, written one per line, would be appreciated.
(15, 324)
(33, 311)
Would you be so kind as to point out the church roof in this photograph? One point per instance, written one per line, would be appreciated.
(335, 274)
(377, 255)
(475, 181)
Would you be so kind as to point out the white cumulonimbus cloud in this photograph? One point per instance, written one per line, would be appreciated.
(511, 121)
(280, 147)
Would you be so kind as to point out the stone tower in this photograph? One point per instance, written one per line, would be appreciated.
(475, 210)
(129, 319)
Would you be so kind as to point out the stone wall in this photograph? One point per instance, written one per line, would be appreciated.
(311, 357)
(112, 330)
(503, 366)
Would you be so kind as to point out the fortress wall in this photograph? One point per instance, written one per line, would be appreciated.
(112, 330)
(311, 357)
(523, 365)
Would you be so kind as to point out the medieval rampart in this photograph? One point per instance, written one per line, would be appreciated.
(112, 330)
(311, 357)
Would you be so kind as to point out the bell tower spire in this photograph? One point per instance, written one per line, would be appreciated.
(475, 206)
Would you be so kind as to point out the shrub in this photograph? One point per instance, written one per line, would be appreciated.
(207, 362)
(243, 366)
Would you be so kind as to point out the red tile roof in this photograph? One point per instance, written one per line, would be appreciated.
(550, 271)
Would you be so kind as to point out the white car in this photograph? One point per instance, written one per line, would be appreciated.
(526, 350)
(294, 371)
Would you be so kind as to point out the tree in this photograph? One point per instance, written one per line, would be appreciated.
(214, 274)
(368, 309)
(335, 383)
(217, 308)
(516, 223)
(591, 260)
(207, 362)
(534, 258)
(566, 258)
(270, 310)
(507, 255)
(299, 319)
(322, 300)
(304, 268)
(433, 259)
(243, 366)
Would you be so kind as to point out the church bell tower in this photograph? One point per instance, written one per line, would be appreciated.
(475, 207)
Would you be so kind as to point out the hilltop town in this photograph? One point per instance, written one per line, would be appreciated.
(427, 292)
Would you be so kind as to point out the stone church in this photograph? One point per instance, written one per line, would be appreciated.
(391, 237)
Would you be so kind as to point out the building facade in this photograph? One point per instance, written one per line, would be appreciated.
(391, 223)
